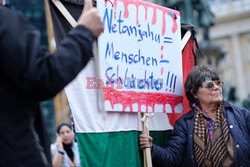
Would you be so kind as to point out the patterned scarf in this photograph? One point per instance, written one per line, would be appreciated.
(219, 151)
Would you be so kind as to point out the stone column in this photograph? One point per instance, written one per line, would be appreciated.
(239, 68)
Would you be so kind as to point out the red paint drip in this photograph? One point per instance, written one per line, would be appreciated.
(115, 7)
(154, 19)
(161, 56)
(137, 13)
(175, 26)
(106, 1)
(162, 70)
(138, 3)
(149, 99)
(162, 47)
(146, 12)
(164, 25)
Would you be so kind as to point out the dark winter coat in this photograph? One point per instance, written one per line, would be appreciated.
(180, 146)
(29, 74)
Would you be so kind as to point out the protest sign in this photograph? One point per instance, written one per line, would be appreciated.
(140, 61)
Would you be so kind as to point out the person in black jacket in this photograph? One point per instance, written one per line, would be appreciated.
(213, 133)
(29, 74)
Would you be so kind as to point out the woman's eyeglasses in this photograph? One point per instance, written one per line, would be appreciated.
(210, 84)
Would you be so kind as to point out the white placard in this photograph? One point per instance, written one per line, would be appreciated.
(140, 61)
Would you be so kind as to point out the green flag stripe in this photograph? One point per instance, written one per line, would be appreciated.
(114, 149)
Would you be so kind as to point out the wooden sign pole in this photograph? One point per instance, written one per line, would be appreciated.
(146, 151)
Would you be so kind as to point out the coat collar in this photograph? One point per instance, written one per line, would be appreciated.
(190, 114)
(227, 105)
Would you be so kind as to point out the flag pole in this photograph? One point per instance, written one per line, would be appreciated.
(95, 52)
(185, 39)
(60, 100)
(73, 23)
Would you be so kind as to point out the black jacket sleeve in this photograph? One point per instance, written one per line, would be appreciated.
(36, 73)
(172, 155)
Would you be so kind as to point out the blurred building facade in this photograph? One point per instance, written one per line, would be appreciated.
(232, 33)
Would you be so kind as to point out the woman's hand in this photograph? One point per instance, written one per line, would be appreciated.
(57, 160)
(59, 144)
(145, 141)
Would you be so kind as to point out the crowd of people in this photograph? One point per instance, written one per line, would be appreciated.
(213, 133)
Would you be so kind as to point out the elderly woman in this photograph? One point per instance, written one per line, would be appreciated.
(213, 133)
(64, 151)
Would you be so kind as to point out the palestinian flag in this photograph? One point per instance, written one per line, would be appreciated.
(111, 139)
